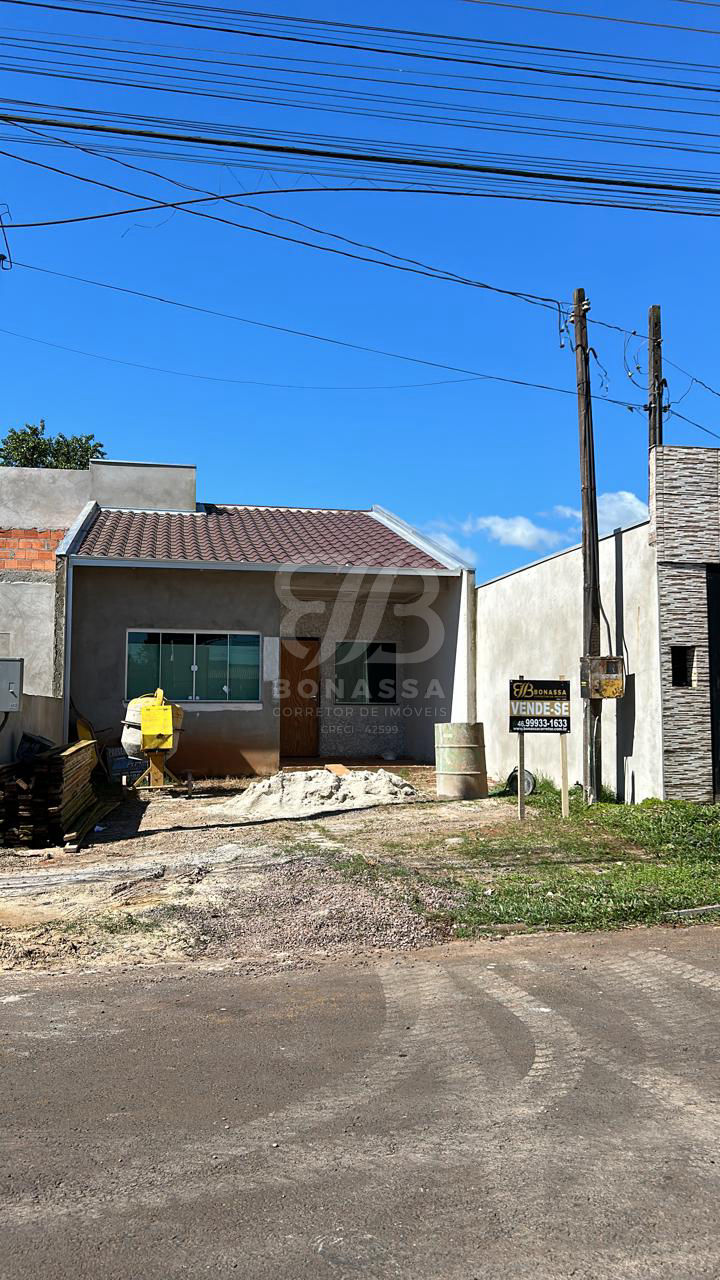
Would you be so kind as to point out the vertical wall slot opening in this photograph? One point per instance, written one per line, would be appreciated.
(682, 658)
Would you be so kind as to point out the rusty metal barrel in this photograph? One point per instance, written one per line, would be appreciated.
(460, 761)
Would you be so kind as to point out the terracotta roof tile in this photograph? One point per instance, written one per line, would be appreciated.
(253, 535)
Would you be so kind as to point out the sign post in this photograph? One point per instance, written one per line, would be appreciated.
(564, 789)
(540, 706)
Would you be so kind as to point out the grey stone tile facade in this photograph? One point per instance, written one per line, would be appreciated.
(685, 483)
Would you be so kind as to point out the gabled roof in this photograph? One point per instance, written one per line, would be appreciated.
(257, 536)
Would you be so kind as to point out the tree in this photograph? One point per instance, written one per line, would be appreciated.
(28, 446)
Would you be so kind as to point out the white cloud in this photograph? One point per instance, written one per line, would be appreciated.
(450, 544)
(513, 531)
(567, 513)
(617, 510)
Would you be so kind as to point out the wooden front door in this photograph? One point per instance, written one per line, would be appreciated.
(300, 697)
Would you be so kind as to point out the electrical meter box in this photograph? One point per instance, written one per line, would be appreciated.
(11, 684)
(602, 677)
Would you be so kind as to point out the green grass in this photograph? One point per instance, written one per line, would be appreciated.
(573, 898)
(666, 828)
(647, 860)
(605, 867)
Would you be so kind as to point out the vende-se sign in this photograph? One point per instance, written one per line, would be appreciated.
(539, 706)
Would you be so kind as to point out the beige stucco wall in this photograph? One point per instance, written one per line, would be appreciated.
(108, 601)
(419, 615)
(530, 623)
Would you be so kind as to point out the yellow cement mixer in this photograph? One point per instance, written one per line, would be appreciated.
(151, 731)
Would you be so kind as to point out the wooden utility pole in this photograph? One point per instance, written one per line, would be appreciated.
(592, 707)
(655, 379)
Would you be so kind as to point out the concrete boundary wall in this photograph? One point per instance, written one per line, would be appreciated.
(41, 498)
(45, 498)
(530, 623)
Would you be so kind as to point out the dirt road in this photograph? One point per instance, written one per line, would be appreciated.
(539, 1107)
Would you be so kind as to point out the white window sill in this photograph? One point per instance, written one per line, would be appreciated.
(215, 706)
(221, 706)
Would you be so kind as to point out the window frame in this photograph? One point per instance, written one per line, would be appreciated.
(382, 702)
(254, 704)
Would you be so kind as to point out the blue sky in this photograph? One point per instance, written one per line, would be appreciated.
(491, 467)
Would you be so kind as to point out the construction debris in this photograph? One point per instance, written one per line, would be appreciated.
(50, 798)
(305, 793)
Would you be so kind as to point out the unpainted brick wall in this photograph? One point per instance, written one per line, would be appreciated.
(29, 549)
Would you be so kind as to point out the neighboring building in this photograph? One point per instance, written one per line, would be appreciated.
(660, 590)
(283, 632)
(40, 511)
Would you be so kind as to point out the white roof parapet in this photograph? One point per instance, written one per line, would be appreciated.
(410, 534)
(77, 528)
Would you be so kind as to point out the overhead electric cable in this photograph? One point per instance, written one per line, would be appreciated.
(548, 51)
(315, 337)
(675, 414)
(595, 17)
(437, 114)
(144, 16)
(243, 382)
(405, 161)
(414, 267)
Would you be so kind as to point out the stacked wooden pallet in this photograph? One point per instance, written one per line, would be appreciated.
(51, 799)
(8, 804)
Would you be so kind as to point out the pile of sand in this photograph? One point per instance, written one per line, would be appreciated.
(305, 793)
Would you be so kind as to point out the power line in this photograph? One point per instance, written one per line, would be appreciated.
(548, 51)
(473, 377)
(643, 337)
(316, 337)
(243, 382)
(694, 380)
(440, 114)
(89, 62)
(531, 190)
(115, 121)
(542, 198)
(595, 17)
(675, 414)
(412, 266)
(431, 271)
(411, 161)
(145, 17)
